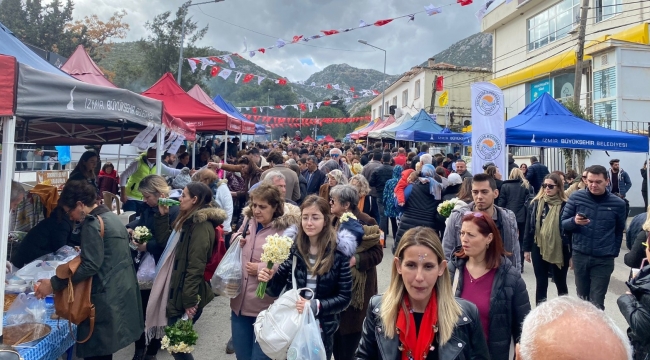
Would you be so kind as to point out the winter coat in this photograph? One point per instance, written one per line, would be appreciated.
(636, 310)
(368, 169)
(636, 226)
(224, 200)
(119, 320)
(506, 223)
(333, 290)
(509, 305)
(155, 246)
(529, 233)
(624, 182)
(108, 183)
(318, 178)
(78, 175)
(379, 178)
(644, 183)
(303, 189)
(421, 209)
(451, 192)
(46, 237)
(636, 255)
(192, 253)
(513, 197)
(511, 165)
(390, 208)
(603, 236)
(536, 174)
(467, 341)
(247, 303)
(466, 175)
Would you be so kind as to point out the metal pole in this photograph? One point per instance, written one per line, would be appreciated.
(7, 169)
(383, 94)
(225, 148)
(160, 143)
(180, 58)
(581, 52)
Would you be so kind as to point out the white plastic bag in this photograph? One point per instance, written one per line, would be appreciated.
(26, 309)
(308, 344)
(146, 272)
(227, 279)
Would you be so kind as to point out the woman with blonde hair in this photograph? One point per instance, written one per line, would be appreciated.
(334, 177)
(367, 204)
(417, 316)
(515, 194)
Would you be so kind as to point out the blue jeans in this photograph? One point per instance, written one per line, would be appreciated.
(44, 165)
(243, 338)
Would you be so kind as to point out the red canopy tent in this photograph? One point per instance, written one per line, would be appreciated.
(328, 138)
(83, 68)
(355, 134)
(190, 110)
(364, 132)
(382, 124)
(197, 93)
(308, 139)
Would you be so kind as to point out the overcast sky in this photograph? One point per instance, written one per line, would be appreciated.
(407, 43)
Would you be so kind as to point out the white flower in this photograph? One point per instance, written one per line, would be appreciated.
(142, 234)
(276, 250)
(347, 216)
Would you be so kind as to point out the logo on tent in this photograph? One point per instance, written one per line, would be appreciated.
(533, 139)
(487, 103)
(71, 103)
(488, 147)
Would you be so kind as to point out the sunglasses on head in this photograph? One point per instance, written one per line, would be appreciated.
(474, 213)
(549, 186)
(334, 155)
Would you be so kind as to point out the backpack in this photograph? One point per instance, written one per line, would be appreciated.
(218, 251)
(74, 303)
(276, 326)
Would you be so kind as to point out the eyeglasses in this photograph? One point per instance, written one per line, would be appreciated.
(549, 186)
(334, 155)
(474, 213)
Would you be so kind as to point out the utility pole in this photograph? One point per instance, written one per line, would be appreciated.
(577, 84)
(433, 94)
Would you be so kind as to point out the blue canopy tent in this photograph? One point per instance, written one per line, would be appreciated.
(260, 129)
(420, 122)
(227, 107)
(444, 137)
(547, 123)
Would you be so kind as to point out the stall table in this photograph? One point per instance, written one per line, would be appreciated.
(55, 344)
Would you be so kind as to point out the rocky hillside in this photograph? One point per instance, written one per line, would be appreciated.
(474, 51)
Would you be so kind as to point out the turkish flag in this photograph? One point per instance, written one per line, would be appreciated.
(464, 2)
(215, 71)
(382, 22)
(303, 107)
(329, 86)
(440, 83)
(262, 50)
(327, 103)
(329, 32)
(296, 39)
(216, 59)
(282, 81)
(254, 110)
(278, 107)
(248, 78)
(352, 88)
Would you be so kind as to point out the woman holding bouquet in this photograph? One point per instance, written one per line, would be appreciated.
(418, 316)
(323, 266)
(179, 288)
(152, 188)
(266, 215)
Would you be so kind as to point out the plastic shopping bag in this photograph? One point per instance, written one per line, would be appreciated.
(308, 344)
(227, 279)
(146, 272)
(26, 309)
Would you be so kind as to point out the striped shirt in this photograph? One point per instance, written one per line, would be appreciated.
(312, 280)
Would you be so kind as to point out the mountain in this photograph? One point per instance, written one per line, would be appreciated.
(473, 51)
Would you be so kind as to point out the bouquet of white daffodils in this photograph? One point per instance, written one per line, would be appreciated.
(446, 207)
(180, 337)
(141, 234)
(275, 251)
(347, 216)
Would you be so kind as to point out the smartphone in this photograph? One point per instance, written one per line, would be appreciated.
(582, 215)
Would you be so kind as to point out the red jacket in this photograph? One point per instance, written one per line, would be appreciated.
(400, 160)
(401, 185)
(108, 182)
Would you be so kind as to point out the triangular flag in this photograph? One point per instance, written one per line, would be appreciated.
(412, 17)
(238, 76)
(318, 104)
(225, 73)
(282, 81)
(193, 63)
(352, 88)
(432, 9)
(311, 107)
(362, 24)
(251, 53)
(280, 43)
(375, 92)
(295, 106)
(464, 2)
(313, 84)
(329, 86)
(254, 110)
(260, 79)
(303, 107)
(329, 32)
(205, 62)
(216, 59)
(262, 50)
(230, 62)
(215, 71)
(283, 106)
(327, 103)
(248, 78)
(296, 39)
(337, 87)
(382, 22)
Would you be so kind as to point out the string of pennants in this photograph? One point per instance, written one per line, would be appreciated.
(301, 107)
(277, 122)
(430, 10)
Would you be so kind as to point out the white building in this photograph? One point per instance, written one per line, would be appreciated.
(413, 91)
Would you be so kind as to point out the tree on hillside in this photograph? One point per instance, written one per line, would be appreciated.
(162, 46)
(364, 111)
(13, 16)
(96, 35)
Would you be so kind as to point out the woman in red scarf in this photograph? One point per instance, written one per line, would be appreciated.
(108, 180)
(418, 318)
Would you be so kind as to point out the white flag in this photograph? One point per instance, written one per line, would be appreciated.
(311, 107)
(251, 54)
(318, 104)
(336, 86)
(225, 73)
(192, 65)
(238, 76)
(295, 106)
(432, 9)
(313, 84)
(205, 62)
(229, 60)
(280, 43)
(260, 79)
(362, 24)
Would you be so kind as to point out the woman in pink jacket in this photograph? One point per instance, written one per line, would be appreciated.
(266, 215)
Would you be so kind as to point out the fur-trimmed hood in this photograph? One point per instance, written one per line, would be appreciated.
(290, 218)
(346, 242)
(213, 214)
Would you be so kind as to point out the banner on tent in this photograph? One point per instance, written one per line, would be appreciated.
(488, 130)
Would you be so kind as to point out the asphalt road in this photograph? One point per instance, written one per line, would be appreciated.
(214, 325)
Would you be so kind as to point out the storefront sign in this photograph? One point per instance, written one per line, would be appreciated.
(538, 88)
(55, 177)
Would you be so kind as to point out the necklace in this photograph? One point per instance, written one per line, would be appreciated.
(475, 279)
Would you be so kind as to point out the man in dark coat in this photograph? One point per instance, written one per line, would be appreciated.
(378, 180)
(536, 173)
(315, 177)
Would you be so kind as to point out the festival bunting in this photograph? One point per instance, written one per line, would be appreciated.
(278, 121)
(300, 107)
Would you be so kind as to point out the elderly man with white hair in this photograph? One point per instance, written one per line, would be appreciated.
(568, 328)
(336, 154)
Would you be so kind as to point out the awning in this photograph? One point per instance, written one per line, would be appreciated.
(83, 68)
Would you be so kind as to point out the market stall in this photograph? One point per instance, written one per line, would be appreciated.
(377, 130)
(388, 132)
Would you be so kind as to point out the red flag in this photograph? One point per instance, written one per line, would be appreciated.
(296, 39)
(262, 50)
(352, 88)
(303, 107)
(464, 2)
(356, 96)
(254, 110)
(329, 86)
(278, 107)
(239, 56)
(327, 103)
(248, 78)
(216, 59)
(282, 81)
(329, 32)
(215, 71)
(375, 92)
(382, 22)
(440, 83)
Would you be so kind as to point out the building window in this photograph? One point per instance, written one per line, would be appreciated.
(417, 90)
(605, 9)
(386, 108)
(394, 102)
(553, 23)
(373, 113)
(405, 98)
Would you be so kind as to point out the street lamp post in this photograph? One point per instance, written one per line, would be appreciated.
(383, 94)
(185, 7)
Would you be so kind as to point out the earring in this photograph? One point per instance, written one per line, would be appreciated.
(488, 246)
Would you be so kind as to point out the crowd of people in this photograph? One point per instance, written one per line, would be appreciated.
(456, 289)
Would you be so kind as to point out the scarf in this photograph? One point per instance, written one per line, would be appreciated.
(370, 240)
(112, 174)
(548, 236)
(417, 345)
(156, 318)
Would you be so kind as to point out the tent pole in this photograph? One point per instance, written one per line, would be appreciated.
(194, 152)
(119, 149)
(225, 148)
(160, 142)
(7, 168)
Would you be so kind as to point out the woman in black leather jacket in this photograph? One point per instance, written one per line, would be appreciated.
(635, 307)
(487, 278)
(323, 266)
(420, 294)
